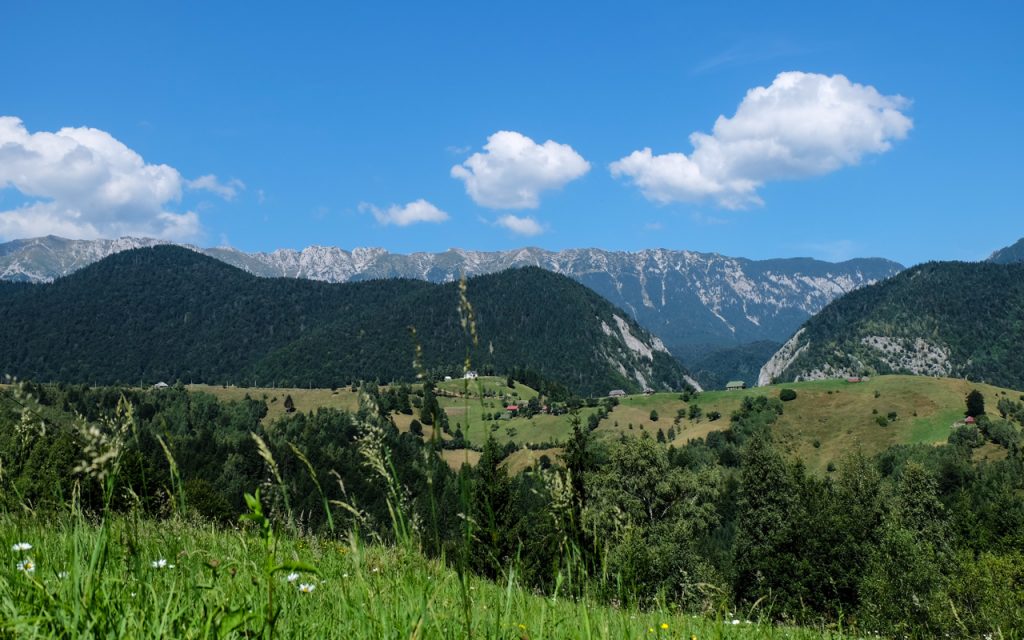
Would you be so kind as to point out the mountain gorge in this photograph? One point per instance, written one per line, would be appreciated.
(692, 301)
(954, 319)
(169, 313)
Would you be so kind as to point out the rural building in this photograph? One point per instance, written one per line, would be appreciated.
(854, 379)
(736, 385)
(470, 375)
(161, 385)
(648, 391)
(969, 420)
(616, 393)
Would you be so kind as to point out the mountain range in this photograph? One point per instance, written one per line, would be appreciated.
(693, 301)
(169, 313)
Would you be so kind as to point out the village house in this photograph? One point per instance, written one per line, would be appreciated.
(735, 385)
(616, 393)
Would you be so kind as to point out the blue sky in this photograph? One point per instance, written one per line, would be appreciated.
(284, 125)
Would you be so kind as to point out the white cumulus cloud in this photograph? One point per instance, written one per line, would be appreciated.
(524, 226)
(513, 170)
(80, 182)
(802, 125)
(402, 216)
(227, 190)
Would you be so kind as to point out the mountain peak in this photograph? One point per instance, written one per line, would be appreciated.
(1008, 255)
(685, 297)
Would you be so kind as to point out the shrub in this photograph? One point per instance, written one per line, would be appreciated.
(787, 394)
(882, 421)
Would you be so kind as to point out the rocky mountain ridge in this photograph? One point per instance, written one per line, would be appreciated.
(687, 298)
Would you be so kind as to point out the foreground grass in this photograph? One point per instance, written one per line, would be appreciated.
(107, 580)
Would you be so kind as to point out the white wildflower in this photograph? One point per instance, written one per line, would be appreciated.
(21, 546)
(27, 565)
(161, 564)
(292, 577)
(306, 587)
(63, 575)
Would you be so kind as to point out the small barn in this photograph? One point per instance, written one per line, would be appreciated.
(161, 385)
(616, 393)
(470, 375)
(735, 385)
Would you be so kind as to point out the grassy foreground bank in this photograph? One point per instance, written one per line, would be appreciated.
(129, 577)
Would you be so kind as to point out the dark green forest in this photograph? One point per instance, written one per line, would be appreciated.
(170, 314)
(919, 541)
(975, 310)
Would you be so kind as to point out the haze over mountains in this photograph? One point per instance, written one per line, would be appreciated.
(168, 313)
(692, 301)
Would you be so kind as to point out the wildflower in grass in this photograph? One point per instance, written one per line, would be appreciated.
(735, 621)
(19, 547)
(664, 626)
(161, 564)
(27, 565)
(62, 575)
(292, 577)
(306, 587)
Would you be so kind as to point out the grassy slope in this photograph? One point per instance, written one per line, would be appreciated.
(362, 591)
(305, 399)
(836, 414)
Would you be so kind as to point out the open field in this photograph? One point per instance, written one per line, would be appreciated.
(837, 415)
(828, 417)
(305, 399)
(109, 581)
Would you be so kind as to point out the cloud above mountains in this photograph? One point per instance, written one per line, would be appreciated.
(802, 125)
(513, 170)
(80, 182)
(405, 215)
(520, 225)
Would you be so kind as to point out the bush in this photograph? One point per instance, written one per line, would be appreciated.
(966, 436)
(787, 394)
(882, 421)
(654, 415)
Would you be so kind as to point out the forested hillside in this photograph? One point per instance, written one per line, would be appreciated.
(941, 318)
(168, 313)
